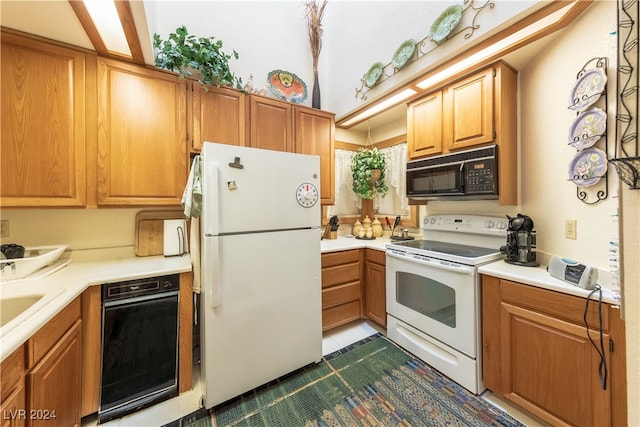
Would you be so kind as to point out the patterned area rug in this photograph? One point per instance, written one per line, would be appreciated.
(370, 383)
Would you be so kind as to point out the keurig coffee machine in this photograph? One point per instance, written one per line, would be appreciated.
(521, 242)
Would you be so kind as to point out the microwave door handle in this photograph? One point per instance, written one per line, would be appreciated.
(461, 172)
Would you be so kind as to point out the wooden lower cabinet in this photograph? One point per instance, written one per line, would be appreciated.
(375, 287)
(341, 288)
(538, 355)
(353, 287)
(91, 348)
(13, 395)
(54, 384)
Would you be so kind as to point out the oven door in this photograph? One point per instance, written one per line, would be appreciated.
(439, 300)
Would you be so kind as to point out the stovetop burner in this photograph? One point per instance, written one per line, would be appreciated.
(448, 248)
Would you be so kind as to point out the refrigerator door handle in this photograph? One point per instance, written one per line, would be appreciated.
(211, 201)
(211, 274)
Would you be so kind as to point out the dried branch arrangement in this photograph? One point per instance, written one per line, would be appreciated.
(315, 13)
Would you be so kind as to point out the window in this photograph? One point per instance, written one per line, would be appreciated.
(347, 204)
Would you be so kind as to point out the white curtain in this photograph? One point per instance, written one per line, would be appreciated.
(395, 202)
(347, 203)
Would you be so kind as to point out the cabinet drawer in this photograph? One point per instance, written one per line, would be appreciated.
(340, 314)
(376, 256)
(52, 332)
(343, 257)
(340, 274)
(340, 294)
(12, 371)
(566, 307)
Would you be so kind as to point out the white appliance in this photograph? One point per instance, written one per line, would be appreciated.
(261, 314)
(433, 293)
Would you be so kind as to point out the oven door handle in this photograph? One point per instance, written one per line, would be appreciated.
(444, 265)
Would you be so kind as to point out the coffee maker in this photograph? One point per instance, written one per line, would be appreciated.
(521, 242)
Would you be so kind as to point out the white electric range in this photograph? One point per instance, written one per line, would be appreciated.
(433, 292)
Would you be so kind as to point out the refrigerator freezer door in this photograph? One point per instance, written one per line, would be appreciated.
(253, 190)
(267, 320)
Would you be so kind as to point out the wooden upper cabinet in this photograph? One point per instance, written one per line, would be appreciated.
(315, 134)
(478, 110)
(469, 106)
(141, 156)
(218, 115)
(270, 126)
(43, 124)
(424, 125)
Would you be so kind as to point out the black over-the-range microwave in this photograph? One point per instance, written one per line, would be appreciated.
(464, 175)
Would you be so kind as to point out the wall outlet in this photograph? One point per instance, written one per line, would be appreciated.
(571, 229)
(4, 228)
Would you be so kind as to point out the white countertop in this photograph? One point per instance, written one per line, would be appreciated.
(534, 276)
(540, 277)
(87, 268)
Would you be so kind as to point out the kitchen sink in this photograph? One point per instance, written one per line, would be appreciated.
(10, 308)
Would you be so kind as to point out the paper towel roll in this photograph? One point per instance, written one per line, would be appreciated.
(175, 237)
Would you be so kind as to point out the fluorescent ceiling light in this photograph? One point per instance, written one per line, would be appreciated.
(389, 102)
(106, 19)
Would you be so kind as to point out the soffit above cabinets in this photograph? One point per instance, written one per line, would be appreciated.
(69, 22)
(517, 45)
(44, 18)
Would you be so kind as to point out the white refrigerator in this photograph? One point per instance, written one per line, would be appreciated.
(261, 314)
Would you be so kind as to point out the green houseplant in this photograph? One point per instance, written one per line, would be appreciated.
(367, 181)
(187, 54)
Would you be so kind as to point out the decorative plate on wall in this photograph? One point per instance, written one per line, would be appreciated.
(445, 23)
(287, 86)
(587, 128)
(404, 52)
(587, 167)
(373, 75)
(587, 89)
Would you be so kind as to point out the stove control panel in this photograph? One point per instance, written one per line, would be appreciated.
(476, 224)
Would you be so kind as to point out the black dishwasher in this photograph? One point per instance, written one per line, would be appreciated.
(139, 344)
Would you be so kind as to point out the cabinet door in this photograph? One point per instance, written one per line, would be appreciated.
(270, 124)
(54, 384)
(142, 157)
(550, 368)
(375, 293)
(13, 406)
(424, 126)
(13, 394)
(43, 124)
(315, 134)
(91, 347)
(469, 112)
(218, 116)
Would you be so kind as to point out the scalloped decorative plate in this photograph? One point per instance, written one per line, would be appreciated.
(373, 75)
(587, 128)
(287, 86)
(445, 23)
(403, 53)
(587, 167)
(587, 89)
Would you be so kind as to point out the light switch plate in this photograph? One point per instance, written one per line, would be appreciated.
(4, 228)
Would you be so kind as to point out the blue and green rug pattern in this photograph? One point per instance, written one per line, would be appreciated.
(370, 383)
